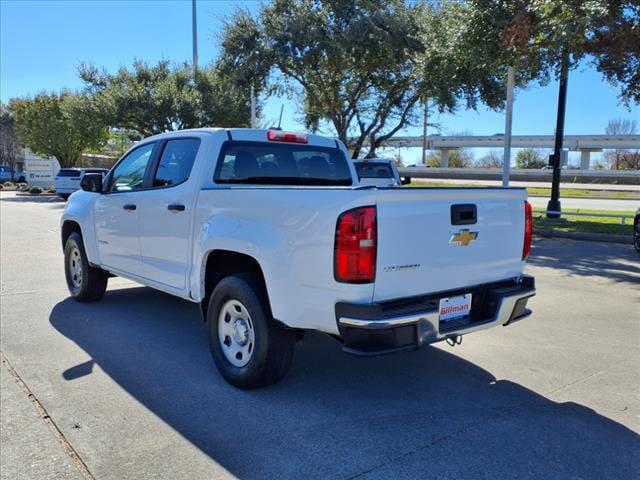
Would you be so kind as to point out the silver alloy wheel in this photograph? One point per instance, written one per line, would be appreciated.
(235, 333)
(75, 267)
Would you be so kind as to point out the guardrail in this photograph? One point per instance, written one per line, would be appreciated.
(567, 176)
(623, 218)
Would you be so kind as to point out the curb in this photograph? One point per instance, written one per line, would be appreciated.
(587, 236)
(25, 194)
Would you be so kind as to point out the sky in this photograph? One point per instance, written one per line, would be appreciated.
(43, 42)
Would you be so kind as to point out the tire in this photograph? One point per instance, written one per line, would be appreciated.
(636, 235)
(238, 312)
(64, 196)
(85, 283)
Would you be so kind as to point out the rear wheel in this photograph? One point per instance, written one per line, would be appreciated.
(248, 347)
(85, 283)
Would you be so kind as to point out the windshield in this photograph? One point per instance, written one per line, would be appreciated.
(281, 164)
(68, 172)
(373, 170)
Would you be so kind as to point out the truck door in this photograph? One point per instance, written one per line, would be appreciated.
(166, 213)
(116, 212)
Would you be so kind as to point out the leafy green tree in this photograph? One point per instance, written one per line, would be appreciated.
(541, 38)
(152, 99)
(528, 158)
(61, 125)
(360, 67)
(9, 145)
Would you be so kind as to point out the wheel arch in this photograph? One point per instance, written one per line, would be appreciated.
(219, 264)
(69, 227)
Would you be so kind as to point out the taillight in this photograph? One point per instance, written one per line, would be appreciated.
(356, 246)
(287, 137)
(528, 230)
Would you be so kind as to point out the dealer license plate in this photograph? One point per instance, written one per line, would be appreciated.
(455, 307)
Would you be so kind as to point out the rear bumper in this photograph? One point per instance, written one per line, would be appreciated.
(406, 324)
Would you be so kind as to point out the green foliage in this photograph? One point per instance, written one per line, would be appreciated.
(528, 158)
(460, 158)
(35, 190)
(8, 185)
(59, 125)
(9, 145)
(152, 99)
(360, 67)
(537, 36)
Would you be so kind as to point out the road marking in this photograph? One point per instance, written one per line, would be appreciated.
(44, 415)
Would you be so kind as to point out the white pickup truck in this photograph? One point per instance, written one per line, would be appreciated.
(271, 234)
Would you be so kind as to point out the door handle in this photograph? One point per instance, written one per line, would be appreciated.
(129, 206)
(176, 208)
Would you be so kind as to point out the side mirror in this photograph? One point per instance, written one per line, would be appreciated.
(405, 180)
(91, 182)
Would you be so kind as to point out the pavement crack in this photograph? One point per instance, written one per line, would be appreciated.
(46, 418)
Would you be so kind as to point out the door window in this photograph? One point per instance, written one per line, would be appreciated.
(176, 162)
(129, 173)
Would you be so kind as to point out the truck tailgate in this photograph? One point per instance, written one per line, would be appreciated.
(417, 251)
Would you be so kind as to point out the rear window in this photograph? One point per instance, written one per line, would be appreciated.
(67, 172)
(373, 170)
(260, 163)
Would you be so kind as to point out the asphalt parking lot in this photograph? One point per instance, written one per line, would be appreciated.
(129, 384)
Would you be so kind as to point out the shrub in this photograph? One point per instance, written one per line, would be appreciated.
(35, 190)
(8, 185)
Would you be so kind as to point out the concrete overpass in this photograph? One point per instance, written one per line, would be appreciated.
(585, 144)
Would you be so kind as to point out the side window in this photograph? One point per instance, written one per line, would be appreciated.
(176, 162)
(129, 173)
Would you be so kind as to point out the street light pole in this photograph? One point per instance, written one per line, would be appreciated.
(554, 203)
(194, 29)
(506, 158)
(424, 132)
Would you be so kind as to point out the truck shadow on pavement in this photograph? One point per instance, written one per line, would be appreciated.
(416, 415)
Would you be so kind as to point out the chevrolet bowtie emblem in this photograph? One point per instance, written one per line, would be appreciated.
(463, 237)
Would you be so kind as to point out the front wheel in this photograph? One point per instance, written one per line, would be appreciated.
(248, 347)
(85, 283)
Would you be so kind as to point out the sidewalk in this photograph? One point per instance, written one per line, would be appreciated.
(29, 447)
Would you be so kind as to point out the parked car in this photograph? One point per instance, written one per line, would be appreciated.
(272, 235)
(636, 231)
(68, 180)
(5, 175)
(379, 172)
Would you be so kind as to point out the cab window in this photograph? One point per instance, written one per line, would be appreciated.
(176, 162)
(129, 174)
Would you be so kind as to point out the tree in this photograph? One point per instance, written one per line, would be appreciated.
(528, 158)
(460, 158)
(622, 159)
(493, 159)
(61, 125)
(152, 99)
(537, 36)
(9, 145)
(361, 67)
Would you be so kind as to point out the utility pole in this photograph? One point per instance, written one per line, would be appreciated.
(506, 161)
(253, 109)
(194, 29)
(424, 131)
(554, 204)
